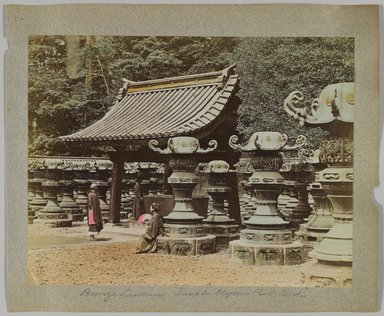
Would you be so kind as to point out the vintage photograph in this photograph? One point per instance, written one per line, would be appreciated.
(190, 161)
(192, 158)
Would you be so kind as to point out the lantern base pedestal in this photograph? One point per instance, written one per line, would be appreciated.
(309, 239)
(53, 220)
(265, 254)
(224, 233)
(186, 246)
(75, 214)
(76, 217)
(31, 216)
(328, 275)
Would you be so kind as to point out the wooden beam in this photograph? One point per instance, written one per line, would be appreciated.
(116, 186)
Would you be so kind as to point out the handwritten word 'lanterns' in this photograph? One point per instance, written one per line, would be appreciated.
(184, 229)
(266, 239)
(332, 111)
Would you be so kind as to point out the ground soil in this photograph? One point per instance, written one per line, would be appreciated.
(66, 256)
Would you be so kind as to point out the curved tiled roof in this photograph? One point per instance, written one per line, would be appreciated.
(162, 108)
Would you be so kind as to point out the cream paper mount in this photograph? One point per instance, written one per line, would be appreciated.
(264, 20)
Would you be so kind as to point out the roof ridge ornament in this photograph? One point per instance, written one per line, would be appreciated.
(182, 145)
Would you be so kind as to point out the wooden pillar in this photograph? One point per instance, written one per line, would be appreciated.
(116, 186)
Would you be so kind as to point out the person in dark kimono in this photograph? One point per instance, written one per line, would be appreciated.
(147, 242)
(137, 200)
(95, 221)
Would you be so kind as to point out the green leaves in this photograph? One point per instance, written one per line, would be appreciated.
(269, 69)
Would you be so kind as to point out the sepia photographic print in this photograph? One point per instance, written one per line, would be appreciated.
(189, 171)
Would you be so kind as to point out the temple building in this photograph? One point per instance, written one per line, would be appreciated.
(203, 106)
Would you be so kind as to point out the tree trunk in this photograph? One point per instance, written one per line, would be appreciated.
(88, 80)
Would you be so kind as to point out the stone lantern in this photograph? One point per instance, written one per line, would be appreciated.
(100, 179)
(302, 173)
(284, 197)
(321, 220)
(52, 215)
(218, 222)
(266, 239)
(184, 228)
(82, 172)
(37, 166)
(68, 203)
(31, 195)
(31, 188)
(131, 175)
(149, 178)
(289, 188)
(332, 111)
(247, 201)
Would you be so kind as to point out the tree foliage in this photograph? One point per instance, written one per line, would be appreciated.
(269, 68)
(59, 105)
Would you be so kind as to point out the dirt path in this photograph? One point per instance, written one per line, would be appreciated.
(65, 256)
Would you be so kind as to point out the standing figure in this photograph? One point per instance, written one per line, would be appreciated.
(95, 221)
(147, 242)
(137, 200)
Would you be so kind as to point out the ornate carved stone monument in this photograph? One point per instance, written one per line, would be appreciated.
(101, 169)
(185, 232)
(218, 222)
(38, 202)
(321, 220)
(334, 112)
(52, 215)
(68, 203)
(302, 173)
(82, 168)
(247, 200)
(266, 239)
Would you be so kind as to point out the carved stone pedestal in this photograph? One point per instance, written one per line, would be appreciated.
(38, 202)
(328, 275)
(31, 196)
(245, 201)
(250, 207)
(224, 233)
(302, 210)
(52, 215)
(218, 222)
(102, 187)
(283, 198)
(292, 201)
(124, 200)
(333, 111)
(266, 239)
(31, 188)
(68, 203)
(243, 252)
(185, 233)
(319, 222)
(83, 187)
(186, 240)
(298, 174)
